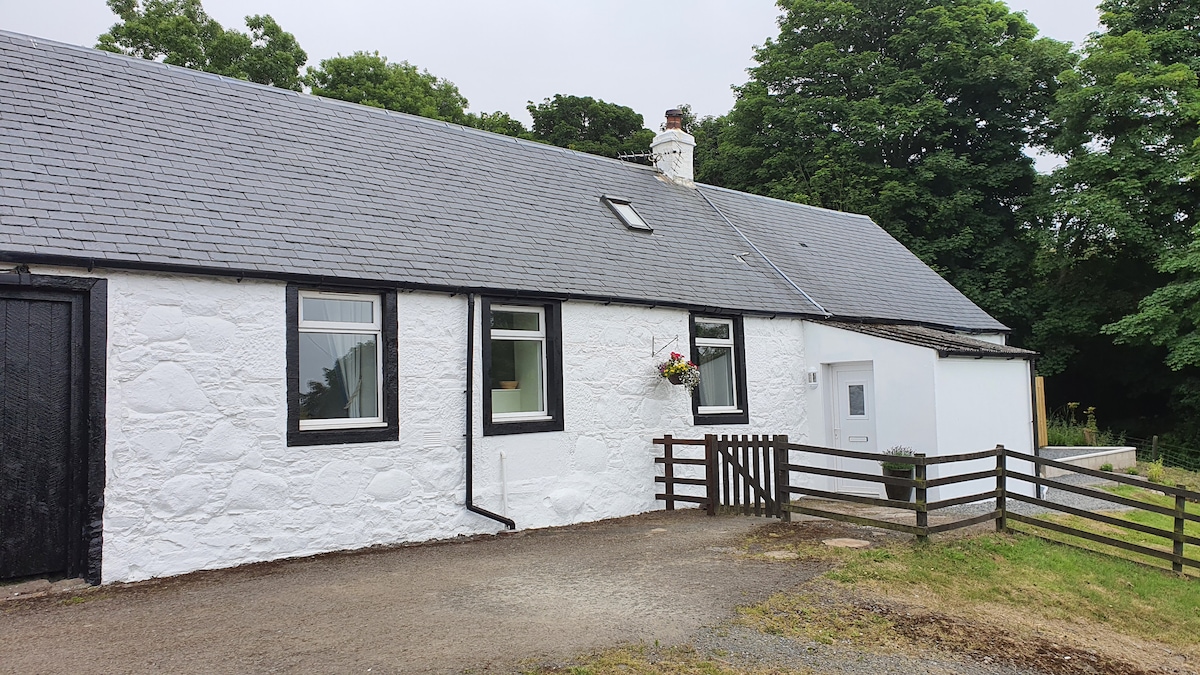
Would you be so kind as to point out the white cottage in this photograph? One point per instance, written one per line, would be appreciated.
(239, 323)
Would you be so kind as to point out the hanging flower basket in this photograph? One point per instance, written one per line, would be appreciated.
(678, 371)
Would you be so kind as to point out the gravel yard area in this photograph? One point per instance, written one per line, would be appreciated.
(502, 604)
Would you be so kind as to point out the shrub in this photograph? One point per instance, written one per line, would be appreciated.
(1106, 467)
(893, 457)
(1157, 473)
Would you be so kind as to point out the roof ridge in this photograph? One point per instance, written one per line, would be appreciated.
(709, 186)
(37, 42)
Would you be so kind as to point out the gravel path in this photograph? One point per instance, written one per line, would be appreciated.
(748, 648)
(1052, 495)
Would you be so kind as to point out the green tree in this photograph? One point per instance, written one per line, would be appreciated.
(914, 112)
(589, 125)
(498, 123)
(370, 79)
(180, 33)
(1121, 215)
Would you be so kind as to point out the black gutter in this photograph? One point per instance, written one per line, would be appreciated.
(333, 280)
(508, 522)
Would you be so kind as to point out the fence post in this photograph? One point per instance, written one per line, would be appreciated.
(783, 496)
(710, 473)
(922, 511)
(1154, 448)
(1177, 548)
(669, 472)
(1001, 488)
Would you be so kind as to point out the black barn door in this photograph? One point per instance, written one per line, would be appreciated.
(43, 444)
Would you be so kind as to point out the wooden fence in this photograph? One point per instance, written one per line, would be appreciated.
(753, 475)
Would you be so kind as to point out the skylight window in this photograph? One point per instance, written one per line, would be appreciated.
(625, 211)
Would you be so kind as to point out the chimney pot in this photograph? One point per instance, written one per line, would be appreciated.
(674, 118)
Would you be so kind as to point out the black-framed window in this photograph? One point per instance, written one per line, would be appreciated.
(719, 349)
(341, 366)
(522, 367)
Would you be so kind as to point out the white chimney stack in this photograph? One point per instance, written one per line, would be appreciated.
(673, 149)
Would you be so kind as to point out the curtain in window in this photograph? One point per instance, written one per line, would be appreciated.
(348, 376)
(716, 376)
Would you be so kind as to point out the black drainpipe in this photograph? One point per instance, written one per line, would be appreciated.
(508, 522)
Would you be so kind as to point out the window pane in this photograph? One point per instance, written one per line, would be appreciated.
(342, 311)
(858, 400)
(631, 217)
(716, 376)
(339, 376)
(706, 329)
(517, 376)
(505, 320)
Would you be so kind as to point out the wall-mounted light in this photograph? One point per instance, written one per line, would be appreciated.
(812, 378)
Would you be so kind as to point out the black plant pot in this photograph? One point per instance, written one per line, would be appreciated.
(899, 492)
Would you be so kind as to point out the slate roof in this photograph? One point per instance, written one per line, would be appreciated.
(129, 163)
(945, 343)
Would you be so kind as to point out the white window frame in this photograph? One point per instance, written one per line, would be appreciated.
(531, 336)
(375, 328)
(731, 343)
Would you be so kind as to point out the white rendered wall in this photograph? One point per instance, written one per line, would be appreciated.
(199, 475)
(982, 403)
(933, 405)
(602, 464)
(904, 386)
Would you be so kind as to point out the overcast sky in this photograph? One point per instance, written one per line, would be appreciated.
(647, 54)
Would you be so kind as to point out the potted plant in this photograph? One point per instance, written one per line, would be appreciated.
(678, 371)
(895, 467)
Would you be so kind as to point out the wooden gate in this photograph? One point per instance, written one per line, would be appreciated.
(741, 474)
(747, 477)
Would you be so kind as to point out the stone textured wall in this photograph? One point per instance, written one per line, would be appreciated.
(200, 475)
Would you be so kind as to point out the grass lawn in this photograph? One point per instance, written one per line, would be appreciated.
(1051, 580)
(1156, 520)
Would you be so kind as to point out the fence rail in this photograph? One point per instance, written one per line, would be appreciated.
(753, 475)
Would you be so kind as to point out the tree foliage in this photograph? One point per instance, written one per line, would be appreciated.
(589, 125)
(1120, 217)
(180, 33)
(915, 112)
(370, 79)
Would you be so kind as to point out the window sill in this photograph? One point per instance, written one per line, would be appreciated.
(339, 425)
(373, 434)
(526, 425)
(503, 418)
(707, 418)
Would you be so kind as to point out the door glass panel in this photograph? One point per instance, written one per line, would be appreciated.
(858, 400)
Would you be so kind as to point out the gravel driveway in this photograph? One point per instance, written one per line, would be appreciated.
(492, 604)
(543, 594)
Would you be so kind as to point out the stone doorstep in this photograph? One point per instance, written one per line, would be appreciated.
(40, 587)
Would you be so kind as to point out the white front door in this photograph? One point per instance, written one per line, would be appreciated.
(853, 418)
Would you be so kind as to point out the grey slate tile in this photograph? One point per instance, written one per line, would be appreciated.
(183, 166)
